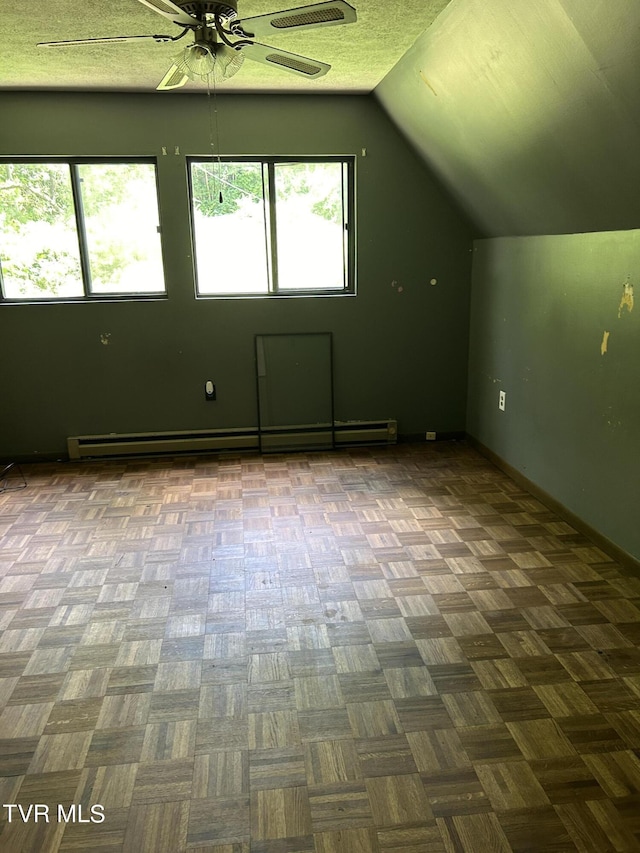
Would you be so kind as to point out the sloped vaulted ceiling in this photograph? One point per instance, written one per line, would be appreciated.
(529, 112)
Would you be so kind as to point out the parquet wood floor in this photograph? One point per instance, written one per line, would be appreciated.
(376, 651)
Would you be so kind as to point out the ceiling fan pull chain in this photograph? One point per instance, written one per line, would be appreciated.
(215, 113)
(213, 119)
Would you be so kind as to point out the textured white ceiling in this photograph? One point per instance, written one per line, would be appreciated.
(360, 54)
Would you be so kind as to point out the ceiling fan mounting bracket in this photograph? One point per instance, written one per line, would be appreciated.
(201, 8)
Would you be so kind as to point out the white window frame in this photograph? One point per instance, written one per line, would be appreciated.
(88, 294)
(268, 165)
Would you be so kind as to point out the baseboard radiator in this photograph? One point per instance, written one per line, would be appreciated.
(345, 434)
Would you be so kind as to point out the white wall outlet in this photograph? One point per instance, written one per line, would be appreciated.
(502, 401)
(430, 435)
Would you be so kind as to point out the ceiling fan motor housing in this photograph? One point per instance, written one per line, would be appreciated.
(201, 8)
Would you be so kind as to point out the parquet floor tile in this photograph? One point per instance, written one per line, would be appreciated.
(381, 650)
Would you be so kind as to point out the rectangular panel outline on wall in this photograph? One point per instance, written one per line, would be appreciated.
(292, 437)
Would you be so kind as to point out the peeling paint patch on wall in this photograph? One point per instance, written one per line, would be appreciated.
(627, 298)
(605, 341)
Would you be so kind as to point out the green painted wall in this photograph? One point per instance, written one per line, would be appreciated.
(539, 313)
(528, 111)
(529, 115)
(400, 350)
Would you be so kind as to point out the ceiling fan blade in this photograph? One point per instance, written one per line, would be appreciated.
(301, 65)
(170, 11)
(102, 40)
(173, 79)
(306, 17)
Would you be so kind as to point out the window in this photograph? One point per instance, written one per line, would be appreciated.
(273, 226)
(79, 229)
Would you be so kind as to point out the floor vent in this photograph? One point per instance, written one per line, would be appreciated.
(346, 434)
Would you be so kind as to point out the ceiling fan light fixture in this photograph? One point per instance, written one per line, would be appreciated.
(201, 61)
(227, 61)
(195, 60)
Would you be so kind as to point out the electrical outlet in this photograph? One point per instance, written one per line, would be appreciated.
(430, 436)
(502, 401)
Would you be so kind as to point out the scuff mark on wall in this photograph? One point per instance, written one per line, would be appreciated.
(105, 338)
(605, 341)
(627, 298)
(427, 83)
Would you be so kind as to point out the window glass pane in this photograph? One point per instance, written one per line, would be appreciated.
(120, 206)
(310, 226)
(230, 239)
(39, 253)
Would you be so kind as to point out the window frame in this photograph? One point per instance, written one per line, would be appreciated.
(268, 164)
(83, 246)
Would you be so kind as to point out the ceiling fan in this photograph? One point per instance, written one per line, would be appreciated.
(222, 41)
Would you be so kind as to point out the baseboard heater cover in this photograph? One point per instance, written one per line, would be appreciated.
(346, 434)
